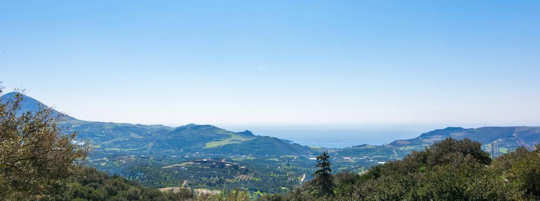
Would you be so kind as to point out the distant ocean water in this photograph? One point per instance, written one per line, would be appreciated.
(335, 137)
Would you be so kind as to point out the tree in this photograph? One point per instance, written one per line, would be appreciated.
(345, 183)
(35, 158)
(323, 181)
(522, 169)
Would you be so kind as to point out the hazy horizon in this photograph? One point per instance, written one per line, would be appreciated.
(280, 63)
(243, 100)
(334, 136)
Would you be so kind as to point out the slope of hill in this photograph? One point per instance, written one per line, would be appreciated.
(123, 138)
(494, 140)
(141, 151)
(115, 137)
(200, 138)
(29, 104)
(507, 137)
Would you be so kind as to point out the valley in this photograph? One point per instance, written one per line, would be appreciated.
(208, 157)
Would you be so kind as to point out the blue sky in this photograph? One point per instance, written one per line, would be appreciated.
(333, 63)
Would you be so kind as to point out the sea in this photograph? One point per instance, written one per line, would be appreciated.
(338, 136)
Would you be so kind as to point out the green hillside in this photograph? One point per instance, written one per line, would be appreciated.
(495, 140)
(140, 152)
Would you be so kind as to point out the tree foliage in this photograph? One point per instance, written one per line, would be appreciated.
(323, 180)
(35, 158)
(38, 162)
(449, 170)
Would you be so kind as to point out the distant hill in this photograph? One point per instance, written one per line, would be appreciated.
(509, 137)
(29, 104)
(494, 140)
(143, 152)
(208, 139)
(127, 138)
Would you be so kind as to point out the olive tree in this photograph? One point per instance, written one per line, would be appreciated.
(35, 157)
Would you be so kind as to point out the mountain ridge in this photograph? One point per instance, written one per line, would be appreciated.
(129, 138)
(142, 152)
(29, 104)
(184, 136)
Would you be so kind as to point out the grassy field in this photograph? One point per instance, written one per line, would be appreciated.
(234, 139)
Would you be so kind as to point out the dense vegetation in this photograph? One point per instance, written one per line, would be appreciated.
(449, 170)
(217, 174)
(92, 185)
(141, 152)
(35, 160)
(38, 162)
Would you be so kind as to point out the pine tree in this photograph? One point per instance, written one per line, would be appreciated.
(323, 180)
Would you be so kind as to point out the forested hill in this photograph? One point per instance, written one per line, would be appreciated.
(163, 156)
(496, 137)
(208, 139)
(158, 139)
(495, 140)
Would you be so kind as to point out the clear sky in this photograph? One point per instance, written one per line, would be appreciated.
(277, 62)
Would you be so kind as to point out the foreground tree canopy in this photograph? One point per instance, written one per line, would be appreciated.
(35, 160)
(449, 170)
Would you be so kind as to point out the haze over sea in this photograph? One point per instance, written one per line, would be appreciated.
(279, 63)
(340, 136)
(332, 137)
(296, 70)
